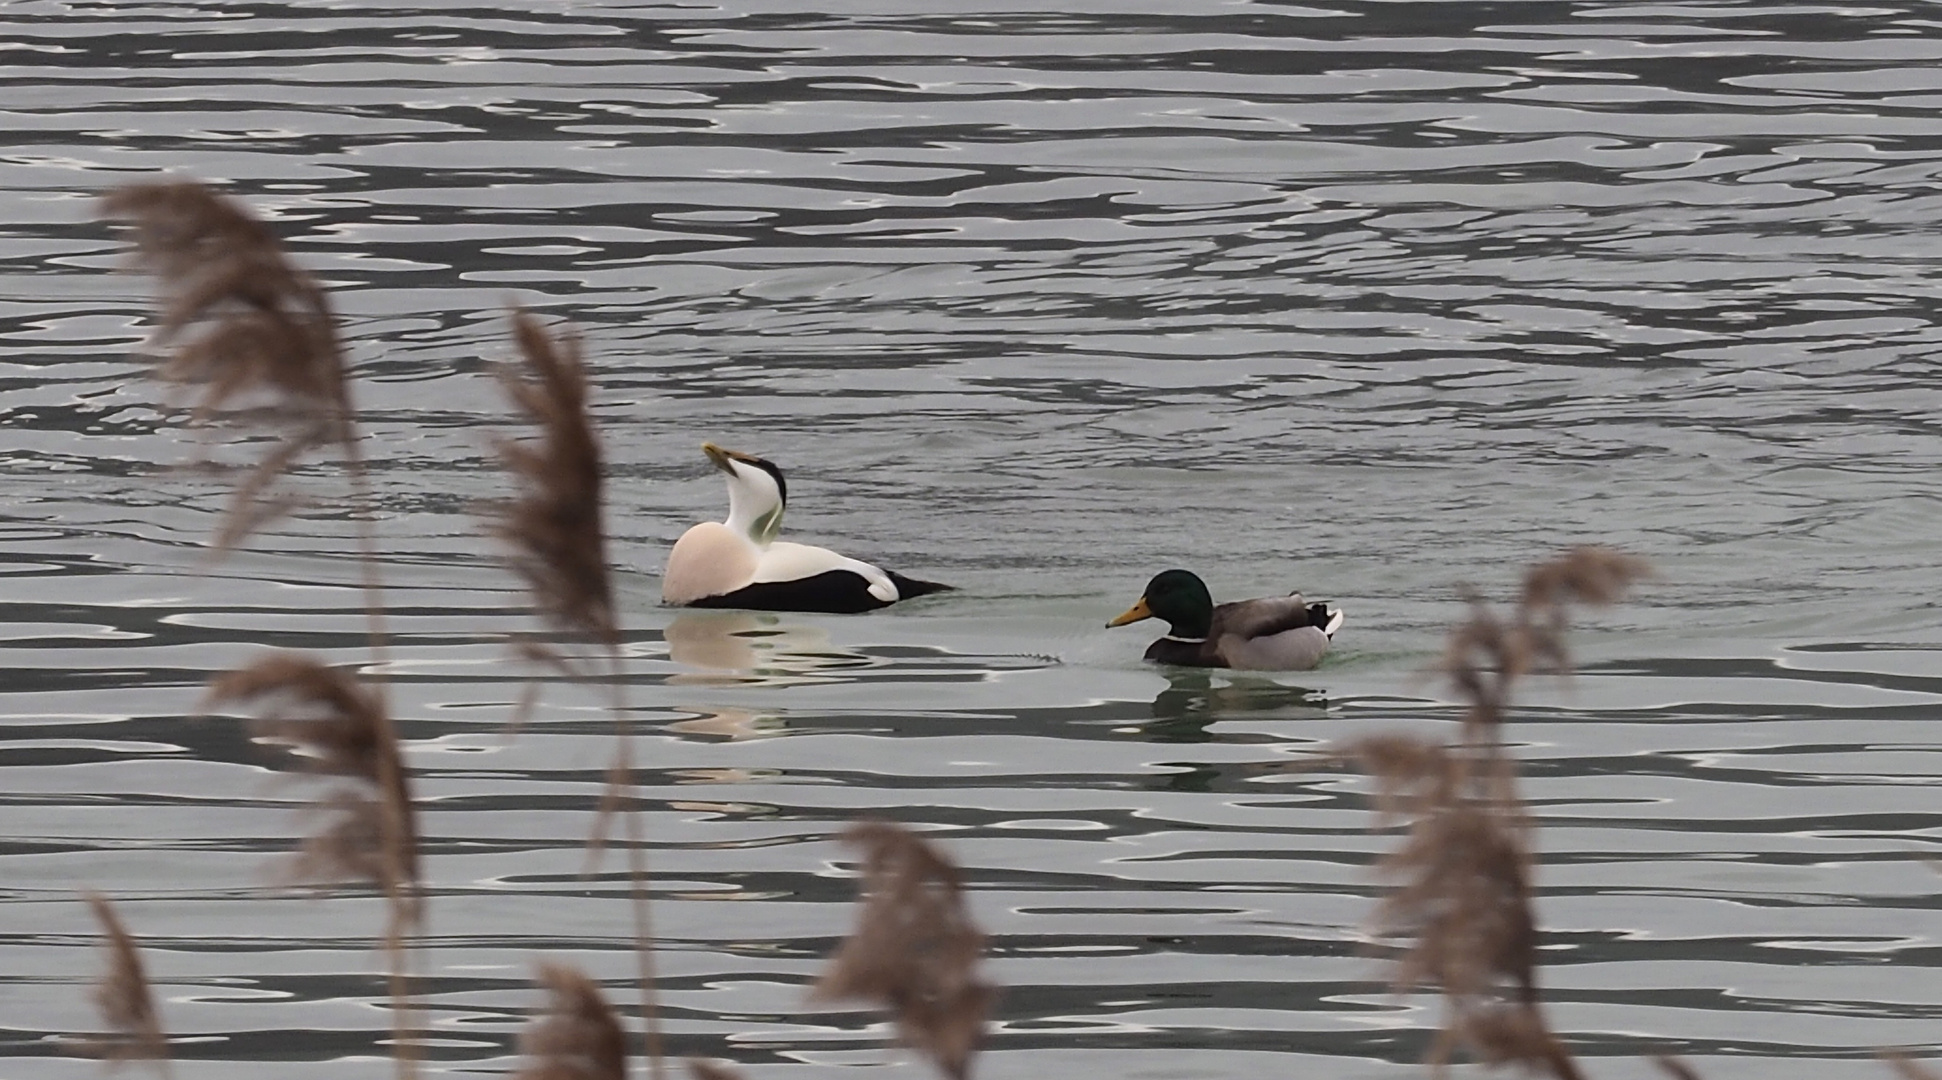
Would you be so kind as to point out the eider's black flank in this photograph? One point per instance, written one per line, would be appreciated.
(833, 592)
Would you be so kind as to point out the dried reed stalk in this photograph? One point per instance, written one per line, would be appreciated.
(1486, 656)
(1463, 871)
(341, 729)
(1675, 1067)
(249, 330)
(556, 532)
(124, 998)
(1463, 894)
(579, 1038)
(915, 950)
(244, 324)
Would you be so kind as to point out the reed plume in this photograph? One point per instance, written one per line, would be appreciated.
(1463, 894)
(555, 526)
(915, 950)
(579, 1038)
(124, 998)
(1486, 656)
(1463, 872)
(247, 329)
(244, 325)
(556, 532)
(341, 729)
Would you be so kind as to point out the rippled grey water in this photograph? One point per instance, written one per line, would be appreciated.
(1368, 298)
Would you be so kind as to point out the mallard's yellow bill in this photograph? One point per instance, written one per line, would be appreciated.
(1133, 614)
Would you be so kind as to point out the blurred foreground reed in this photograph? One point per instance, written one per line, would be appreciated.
(124, 997)
(246, 330)
(255, 337)
(1462, 876)
(915, 950)
(578, 1037)
(555, 530)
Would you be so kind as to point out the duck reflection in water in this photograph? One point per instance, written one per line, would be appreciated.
(1197, 697)
(732, 724)
(749, 648)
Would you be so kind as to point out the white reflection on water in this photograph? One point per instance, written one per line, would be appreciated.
(749, 648)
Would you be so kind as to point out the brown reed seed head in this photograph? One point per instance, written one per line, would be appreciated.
(1486, 655)
(579, 1038)
(1906, 1068)
(554, 526)
(1584, 575)
(1483, 657)
(1413, 776)
(123, 996)
(244, 323)
(915, 950)
(1463, 897)
(1517, 1035)
(1463, 873)
(340, 729)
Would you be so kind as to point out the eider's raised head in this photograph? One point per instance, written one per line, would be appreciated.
(757, 493)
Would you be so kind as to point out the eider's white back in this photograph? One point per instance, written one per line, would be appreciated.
(784, 561)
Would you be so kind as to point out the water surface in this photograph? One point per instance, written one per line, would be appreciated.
(1369, 299)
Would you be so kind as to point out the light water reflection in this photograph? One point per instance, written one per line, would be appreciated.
(752, 648)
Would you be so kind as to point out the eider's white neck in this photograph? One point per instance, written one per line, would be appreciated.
(754, 504)
(1184, 640)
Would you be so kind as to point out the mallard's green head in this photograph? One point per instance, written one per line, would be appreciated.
(757, 493)
(1179, 597)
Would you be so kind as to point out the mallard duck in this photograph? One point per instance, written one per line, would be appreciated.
(739, 563)
(1276, 633)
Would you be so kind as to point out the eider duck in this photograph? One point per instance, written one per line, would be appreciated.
(1278, 633)
(739, 563)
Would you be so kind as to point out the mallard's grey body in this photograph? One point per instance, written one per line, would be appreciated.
(1277, 633)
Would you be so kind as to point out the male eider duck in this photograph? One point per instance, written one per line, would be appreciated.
(1277, 633)
(739, 563)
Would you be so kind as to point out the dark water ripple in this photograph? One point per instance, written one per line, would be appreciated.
(1374, 298)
